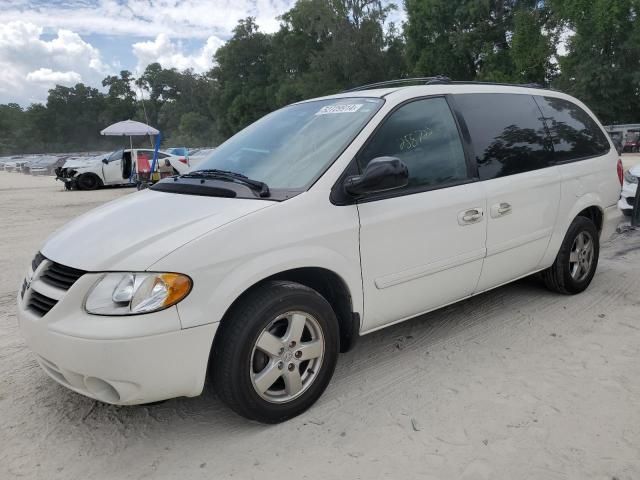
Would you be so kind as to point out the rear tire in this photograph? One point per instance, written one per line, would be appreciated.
(577, 260)
(89, 181)
(275, 352)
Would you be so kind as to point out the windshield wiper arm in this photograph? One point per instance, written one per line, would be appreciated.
(256, 185)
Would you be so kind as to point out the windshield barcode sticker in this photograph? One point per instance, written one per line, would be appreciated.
(348, 108)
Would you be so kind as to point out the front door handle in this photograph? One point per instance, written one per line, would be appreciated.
(500, 209)
(471, 216)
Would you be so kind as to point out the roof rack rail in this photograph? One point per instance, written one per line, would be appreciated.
(438, 80)
(479, 82)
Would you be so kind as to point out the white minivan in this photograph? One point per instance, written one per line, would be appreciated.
(323, 221)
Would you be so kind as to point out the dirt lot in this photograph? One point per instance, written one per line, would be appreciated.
(518, 383)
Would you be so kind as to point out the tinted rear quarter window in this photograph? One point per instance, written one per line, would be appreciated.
(507, 133)
(575, 134)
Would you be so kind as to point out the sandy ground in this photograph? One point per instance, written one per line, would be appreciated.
(630, 159)
(518, 383)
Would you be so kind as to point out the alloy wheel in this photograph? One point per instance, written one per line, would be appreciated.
(287, 357)
(581, 256)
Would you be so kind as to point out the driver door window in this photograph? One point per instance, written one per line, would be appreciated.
(424, 135)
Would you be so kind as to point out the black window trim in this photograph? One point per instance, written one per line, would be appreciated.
(340, 197)
(555, 162)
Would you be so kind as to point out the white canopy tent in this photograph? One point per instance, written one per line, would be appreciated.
(129, 128)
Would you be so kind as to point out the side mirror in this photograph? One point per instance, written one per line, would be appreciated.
(105, 161)
(381, 174)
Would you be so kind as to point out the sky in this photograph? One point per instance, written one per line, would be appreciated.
(44, 43)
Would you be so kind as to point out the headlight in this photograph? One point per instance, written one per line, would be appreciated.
(630, 178)
(134, 293)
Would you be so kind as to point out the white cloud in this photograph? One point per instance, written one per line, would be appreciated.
(171, 54)
(30, 65)
(49, 77)
(148, 18)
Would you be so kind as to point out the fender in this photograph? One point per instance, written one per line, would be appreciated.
(230, 280)
(591, 199)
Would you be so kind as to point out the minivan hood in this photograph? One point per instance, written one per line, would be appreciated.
(134, 232)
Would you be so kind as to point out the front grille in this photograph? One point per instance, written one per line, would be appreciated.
(60, 276)
(37, 260)
(40, 304)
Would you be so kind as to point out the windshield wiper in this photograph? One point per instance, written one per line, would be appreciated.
(256, 185)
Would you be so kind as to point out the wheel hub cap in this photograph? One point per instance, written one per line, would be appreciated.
(581, 256)
(287, 357)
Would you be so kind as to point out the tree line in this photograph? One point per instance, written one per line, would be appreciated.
(325, 46)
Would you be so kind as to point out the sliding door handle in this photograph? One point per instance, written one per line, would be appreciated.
(500, 209)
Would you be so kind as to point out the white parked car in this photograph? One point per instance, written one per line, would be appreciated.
(199, 156)
(116, 168)
(323, 221)
(629, 188)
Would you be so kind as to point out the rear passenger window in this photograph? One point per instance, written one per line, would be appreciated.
(424, 135)
(575, 134)
(507, 133)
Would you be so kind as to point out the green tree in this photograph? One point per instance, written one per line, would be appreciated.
(74, 114)
(324, 46)
(503, 41)
(120, 102)
(533, 46)
(12, 127)
(241, 78)
(602, 64)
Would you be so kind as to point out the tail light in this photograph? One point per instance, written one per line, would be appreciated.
(183, 160)
(620, 171)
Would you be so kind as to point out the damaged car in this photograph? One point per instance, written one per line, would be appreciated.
(118, 168)
(629, 188)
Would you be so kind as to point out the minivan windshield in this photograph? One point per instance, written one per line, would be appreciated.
(291, 147)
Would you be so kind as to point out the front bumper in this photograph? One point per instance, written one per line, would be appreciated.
(118, 360)
(627, 196)
(610, 222)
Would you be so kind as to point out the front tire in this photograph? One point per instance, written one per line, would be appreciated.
(275, 352)
(577, 259)
(89, 181)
